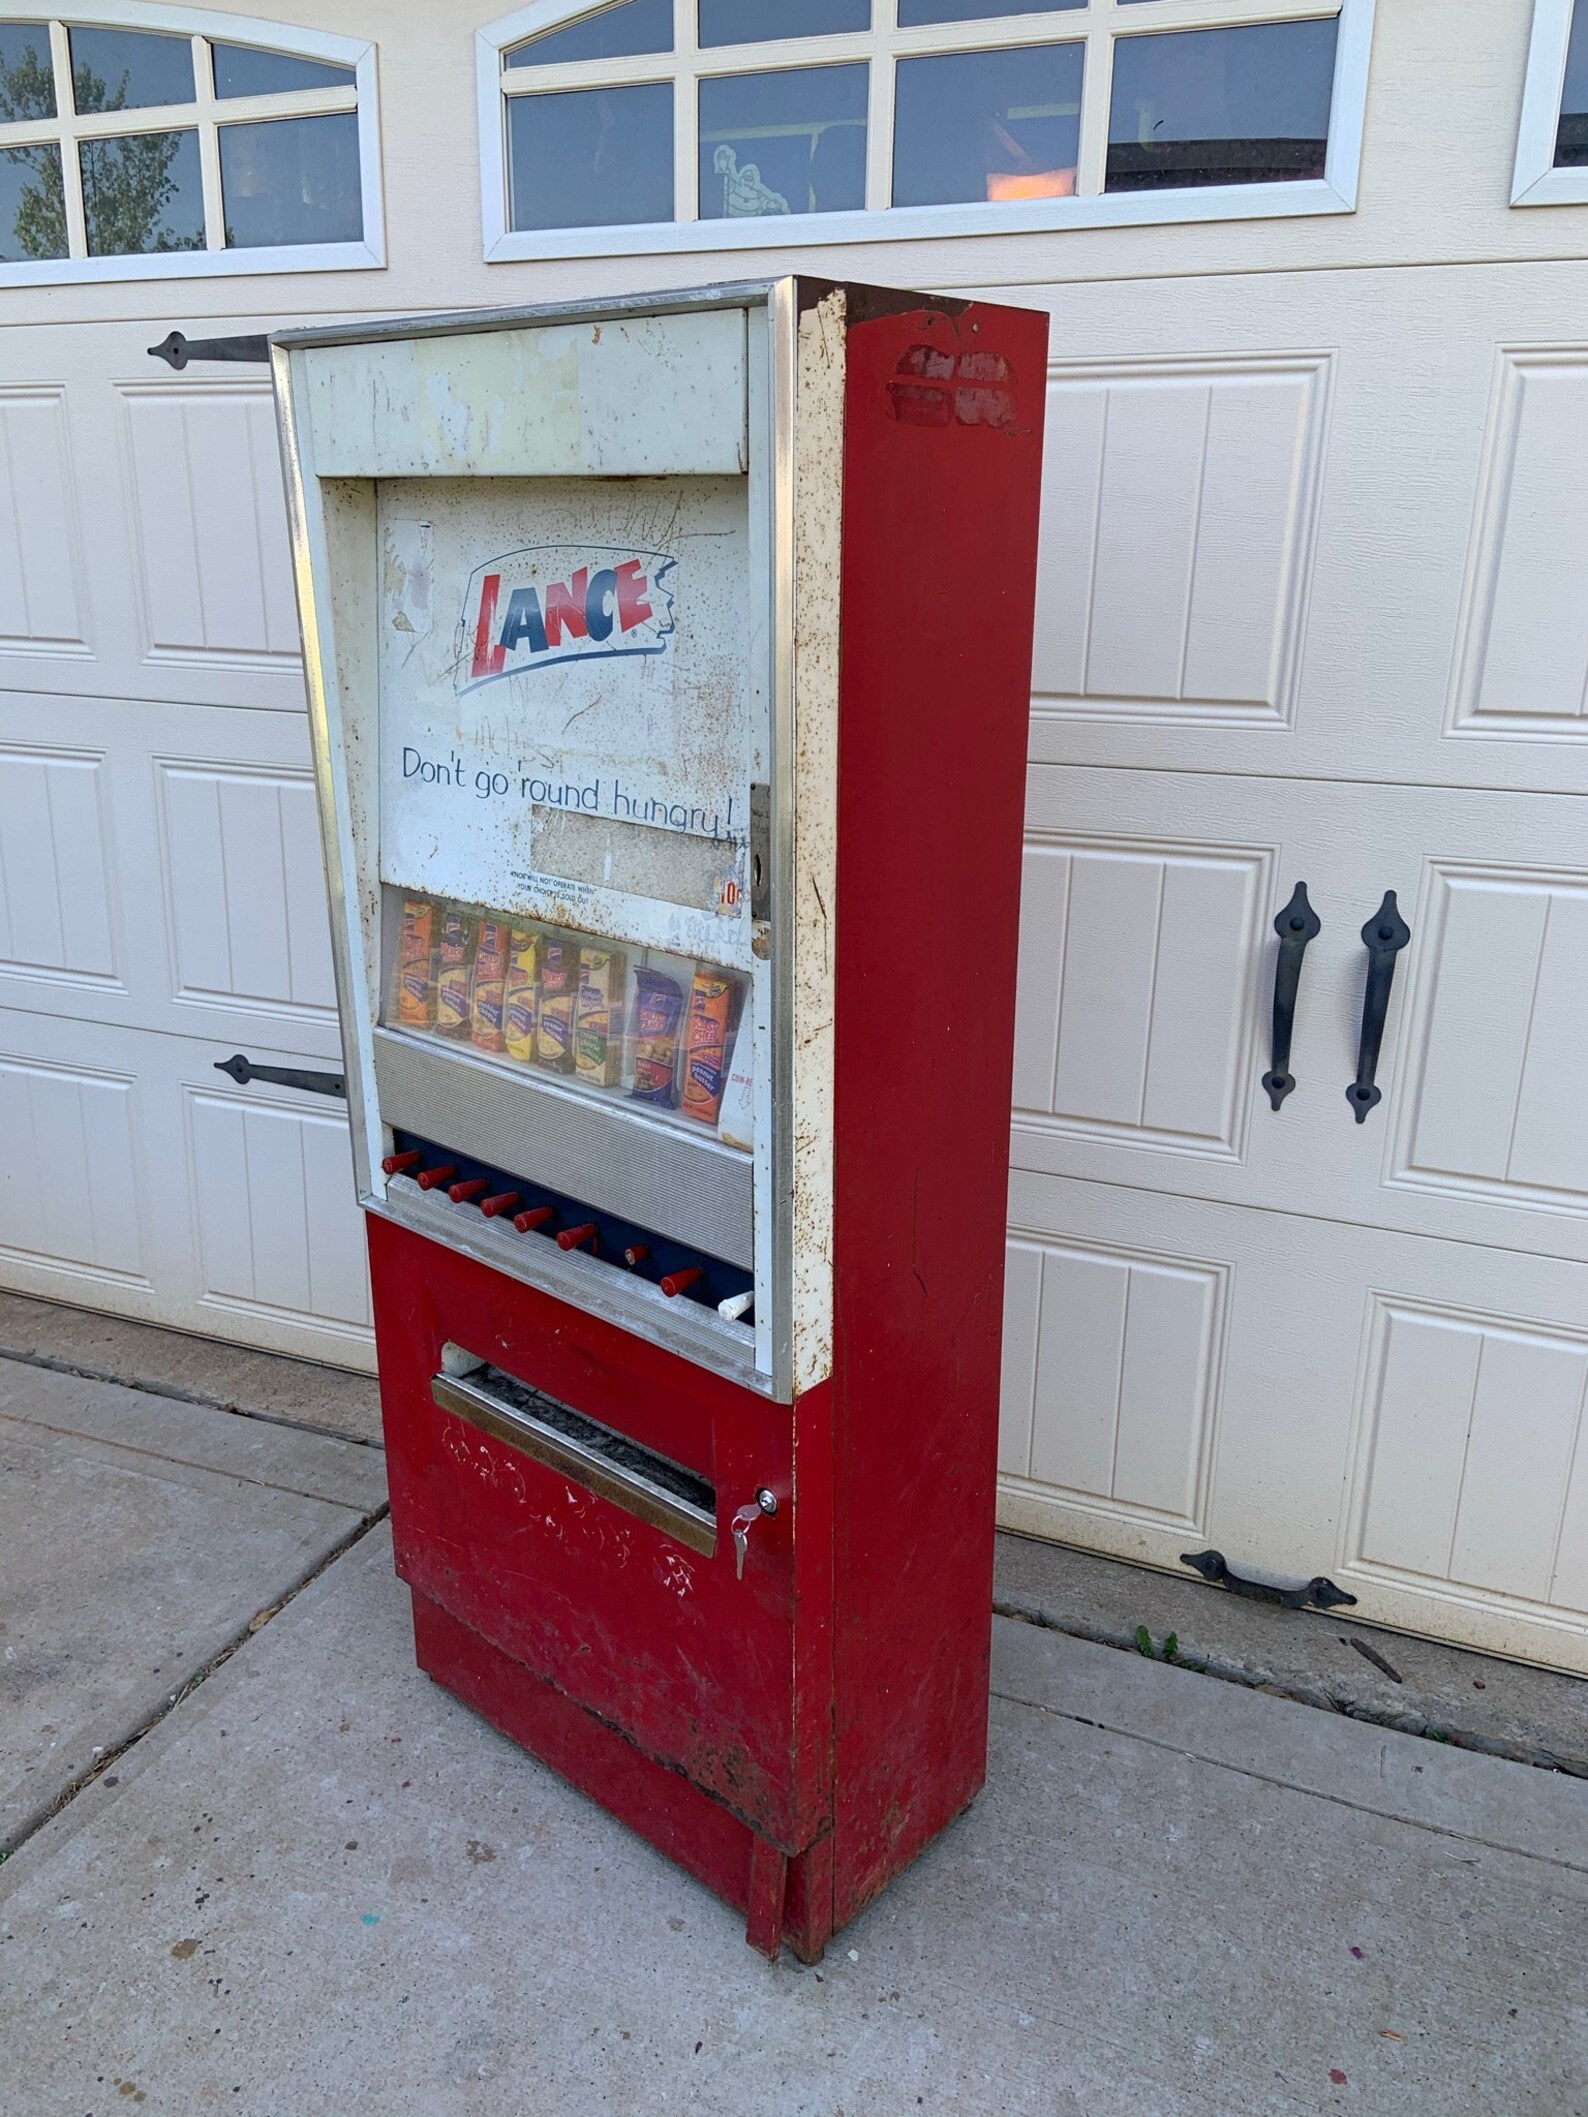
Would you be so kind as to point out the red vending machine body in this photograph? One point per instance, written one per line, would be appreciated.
(743, 1600)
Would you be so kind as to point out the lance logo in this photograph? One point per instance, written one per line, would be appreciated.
(563, 603)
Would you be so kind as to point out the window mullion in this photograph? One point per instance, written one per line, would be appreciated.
(879, 125)
(71, 163)
(209, 148)
(686, 114)
(1091, 165)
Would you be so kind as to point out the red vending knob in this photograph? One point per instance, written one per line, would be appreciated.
(676, 1282)
(461, 1193)
(636, 1253)
(576, 1238)
(536, 1217)
(429, 1178)
(398, 1164)
(503, 1202)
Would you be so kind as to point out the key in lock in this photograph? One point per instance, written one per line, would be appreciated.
(764, 1503)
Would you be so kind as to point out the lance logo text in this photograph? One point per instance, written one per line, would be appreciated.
(561, 603)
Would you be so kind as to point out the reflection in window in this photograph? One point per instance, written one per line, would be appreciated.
(1221, 106)
(291, 180)
(914, 12)
(635, 26)
(591, 158)
(142, 193)
(1571, 140)
(789, 142)
(129, 69)
(756, 21)
(32, 204)
(243, 70)
(27, 74)
(997, 125)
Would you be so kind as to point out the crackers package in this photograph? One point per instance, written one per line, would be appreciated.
(597, 1033)
(559, 992)
(454, 966)
(415, 1002)
(521, 995)
(488, 987)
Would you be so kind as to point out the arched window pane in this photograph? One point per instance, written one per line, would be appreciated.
(912, 13)
(129, 69)
(291, 180)
(992, 125)
(27, 72)
(142, 193)
(755, 21)
(789, 142)
(32, 205)
(591, 157)
(1571, 141)
(241, 70)
(633, 28)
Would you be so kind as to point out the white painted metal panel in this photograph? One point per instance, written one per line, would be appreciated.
(559, 400)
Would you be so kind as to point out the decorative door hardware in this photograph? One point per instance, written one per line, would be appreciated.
(243, 1070)
(1384, 936)
(177, 351)
(1217, 1571)
(1296, 925)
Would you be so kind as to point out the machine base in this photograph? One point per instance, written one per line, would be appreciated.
(783, 1899)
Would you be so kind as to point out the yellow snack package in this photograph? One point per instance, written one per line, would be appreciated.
(521, 993)
(455, 963)
(415, 998)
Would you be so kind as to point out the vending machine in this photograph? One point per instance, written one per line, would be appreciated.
(669, 667)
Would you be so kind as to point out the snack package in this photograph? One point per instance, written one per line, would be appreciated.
(658, 1014)
(559, 992)
(520, 993)
(415, 1001)
(488, 987)
(455, 958)
(737, 1126)
(597, 1037)
(711, 1002)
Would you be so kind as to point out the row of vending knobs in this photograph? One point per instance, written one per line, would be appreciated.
(576, 1238)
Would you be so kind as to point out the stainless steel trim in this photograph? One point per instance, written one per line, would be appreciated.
(305, 523)
(572, 1458)
(736, 294)
(783, 335)
(688, 1328)
(604, 1153)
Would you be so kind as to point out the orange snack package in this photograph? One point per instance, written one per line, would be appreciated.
(456, 955)
(488, 988)
(711, 999)
(416, 966)
(520, 998)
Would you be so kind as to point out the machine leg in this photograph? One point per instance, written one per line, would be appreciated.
(768, 1887)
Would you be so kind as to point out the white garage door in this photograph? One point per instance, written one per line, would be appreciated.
(161, 901)
(1315, 610)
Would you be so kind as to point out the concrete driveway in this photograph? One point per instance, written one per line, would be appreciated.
(317, 1883)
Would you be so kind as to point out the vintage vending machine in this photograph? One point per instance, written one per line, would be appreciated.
(669, 669)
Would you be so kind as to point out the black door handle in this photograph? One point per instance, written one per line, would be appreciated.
(1385, 935)
(243, 1070)
(1296, 925)
(176, 350)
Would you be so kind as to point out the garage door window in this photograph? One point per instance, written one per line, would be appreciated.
(1552, 143)
(705, 124)
(156, 144)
